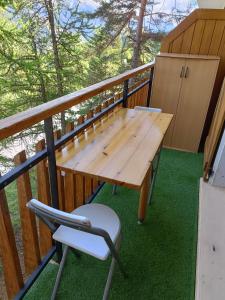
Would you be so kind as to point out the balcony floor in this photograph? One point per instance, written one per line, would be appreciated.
(159, 255)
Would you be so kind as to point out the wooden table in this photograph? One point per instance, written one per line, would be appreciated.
(119, 150)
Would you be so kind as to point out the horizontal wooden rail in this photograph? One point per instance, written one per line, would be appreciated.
(24, 120)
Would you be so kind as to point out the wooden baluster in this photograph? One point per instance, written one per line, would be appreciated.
(146, 95)
(8, 251)
(104, 105)
(88, 180)
(95, 182)
(97, 110)
(80, 182)
(138, 101)
(110, 101)
(43, 190)
(60, 176)
(70, 181)
(80, 121)
(116, 97)
(70, 191)
(69, 126)
(28, 223)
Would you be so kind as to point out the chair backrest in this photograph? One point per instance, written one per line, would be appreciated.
(52, 216)
(149, 109)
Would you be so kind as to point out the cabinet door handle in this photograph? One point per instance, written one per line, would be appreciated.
(182, 72)
(186, 73)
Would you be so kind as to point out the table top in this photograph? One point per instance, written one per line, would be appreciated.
(119, 149)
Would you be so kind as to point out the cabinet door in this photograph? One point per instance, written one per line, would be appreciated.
(166, 88)
(193, 104)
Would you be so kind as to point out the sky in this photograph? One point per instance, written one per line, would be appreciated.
(165, 5)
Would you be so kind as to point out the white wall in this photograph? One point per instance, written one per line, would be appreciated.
(218, 176)
(211, 3)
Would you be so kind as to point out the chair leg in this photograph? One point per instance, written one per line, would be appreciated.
(109, 279)
(75, 252)
(59, 274)
(153, 177)
(111, 270)
(114, 189)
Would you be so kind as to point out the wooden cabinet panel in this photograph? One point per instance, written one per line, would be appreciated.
(166, 88)
(184, 94)
(193, 103)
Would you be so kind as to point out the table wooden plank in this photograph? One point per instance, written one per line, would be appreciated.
(114, 155)
(110, 151)
(136, 165)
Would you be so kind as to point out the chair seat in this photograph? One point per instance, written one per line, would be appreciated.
(100, 216)
(149, 109)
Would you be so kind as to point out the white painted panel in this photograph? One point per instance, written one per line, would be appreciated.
(210, 274)
(211, 3)
(218, 175)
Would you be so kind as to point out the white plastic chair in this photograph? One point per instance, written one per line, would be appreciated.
(94, 229)
(149, 109)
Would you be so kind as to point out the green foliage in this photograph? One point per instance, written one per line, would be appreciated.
(87, 54)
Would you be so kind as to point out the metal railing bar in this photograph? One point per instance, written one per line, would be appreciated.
(125, 92)
(32, 278)
(49, 135)
(19, 170)
(138, 88)
(23, 120)
(150, 86)
(31, 162)
(92, 197)
(48, 126)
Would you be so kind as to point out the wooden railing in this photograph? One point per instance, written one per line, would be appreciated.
(54, 187)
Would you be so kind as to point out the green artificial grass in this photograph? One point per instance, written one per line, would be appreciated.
(159, 255)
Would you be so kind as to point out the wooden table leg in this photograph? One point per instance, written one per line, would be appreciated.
(143, 200)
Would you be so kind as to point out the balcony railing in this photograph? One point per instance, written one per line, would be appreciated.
(37, 244)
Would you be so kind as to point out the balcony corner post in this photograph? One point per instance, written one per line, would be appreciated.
(48, 127)
(125, 92)
(150, 86)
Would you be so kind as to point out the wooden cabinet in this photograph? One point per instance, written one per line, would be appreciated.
(183, 86)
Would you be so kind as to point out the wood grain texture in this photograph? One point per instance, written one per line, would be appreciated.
(216, 38)
(214, 133)
(23, 120)
(80, 180)
(109, 150)
(177, 44)
(60, 175)
(187, 39)
(43, 190)
(197, 37)
(193, 103)
(8, 251)
(180, 95)
(166, 88)
(88, 180)
(32, 256)
(203, 33)
(144, 194)
(70, 192)
(207, 36)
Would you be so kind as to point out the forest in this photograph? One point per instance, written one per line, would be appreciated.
(49, 48)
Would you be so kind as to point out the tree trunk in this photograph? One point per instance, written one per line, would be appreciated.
(40, 75)
(138, 38)
(58, 67)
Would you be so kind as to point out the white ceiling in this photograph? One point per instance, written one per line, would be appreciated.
(211, 3)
